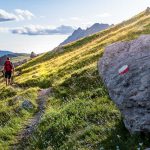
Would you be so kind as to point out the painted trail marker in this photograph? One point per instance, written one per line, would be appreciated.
(123, 70)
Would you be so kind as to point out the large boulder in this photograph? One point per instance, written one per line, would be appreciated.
(33, 55)
(125, 69)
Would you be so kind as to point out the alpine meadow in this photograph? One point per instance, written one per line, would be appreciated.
(77, 113)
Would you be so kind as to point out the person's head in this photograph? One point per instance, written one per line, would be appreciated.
(7, 58)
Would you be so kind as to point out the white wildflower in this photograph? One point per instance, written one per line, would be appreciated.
(101, 148)
(119, 136)
(140, 144)
(117, 148)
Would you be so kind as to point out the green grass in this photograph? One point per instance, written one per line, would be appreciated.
(12, 116)
(79, 114)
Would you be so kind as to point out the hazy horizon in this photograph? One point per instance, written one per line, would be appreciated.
(40, 26)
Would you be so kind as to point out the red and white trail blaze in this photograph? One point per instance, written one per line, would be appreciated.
(124, 69)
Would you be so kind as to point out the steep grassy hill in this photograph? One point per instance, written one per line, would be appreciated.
(79, 114)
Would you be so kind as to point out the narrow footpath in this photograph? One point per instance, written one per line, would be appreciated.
(32, 123)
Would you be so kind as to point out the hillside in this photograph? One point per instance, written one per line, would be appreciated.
(79, 113)
(80, 33)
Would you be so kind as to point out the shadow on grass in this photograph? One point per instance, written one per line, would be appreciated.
(120, 137)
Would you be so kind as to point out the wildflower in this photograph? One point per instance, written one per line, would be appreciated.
(140, 144)
(101, 148)
(119, 136)
(117, 148)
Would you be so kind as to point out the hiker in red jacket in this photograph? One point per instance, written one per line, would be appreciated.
(8, 70)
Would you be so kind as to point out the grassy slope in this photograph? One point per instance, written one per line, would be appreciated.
(12, 117)
(20, 58)
(80, 114)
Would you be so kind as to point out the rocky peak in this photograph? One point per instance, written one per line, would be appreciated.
(79, 30)
(80, 33)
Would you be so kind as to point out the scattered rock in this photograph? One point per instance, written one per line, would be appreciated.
(45, 92)
(27, 105)
(58, 49)
(130, 90)
(148, 10)
(33, 55)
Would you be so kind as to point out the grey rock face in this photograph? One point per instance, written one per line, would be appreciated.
(148, 10)
(80, 33)
(131, 90)
(26, 104)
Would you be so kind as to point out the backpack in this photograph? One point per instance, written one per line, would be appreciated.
(8, 66)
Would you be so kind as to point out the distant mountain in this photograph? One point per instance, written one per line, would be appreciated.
(80, 33)
(3, 53)
(3, 58)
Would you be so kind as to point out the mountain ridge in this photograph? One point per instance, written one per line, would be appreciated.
(15, 57)
(81, 33)
(7, 52)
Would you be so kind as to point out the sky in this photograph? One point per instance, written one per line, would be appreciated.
(41, 25)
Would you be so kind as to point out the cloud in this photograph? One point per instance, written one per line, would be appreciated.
(43, 30)
(23, 14)
(17, 15)
(5, 16)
